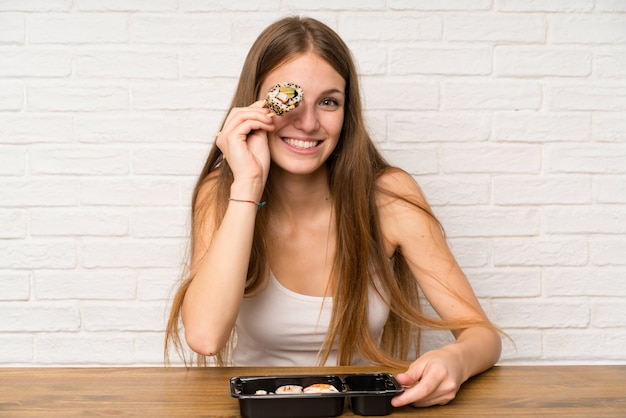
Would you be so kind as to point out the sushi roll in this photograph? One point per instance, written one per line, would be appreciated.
(320, 388)
(288, 389)
(283, 97)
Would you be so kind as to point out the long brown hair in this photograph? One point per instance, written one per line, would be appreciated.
(353, 168)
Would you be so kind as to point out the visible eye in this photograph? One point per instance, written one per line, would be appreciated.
(329, 101)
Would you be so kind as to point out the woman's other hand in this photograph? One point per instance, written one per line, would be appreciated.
(432, 379)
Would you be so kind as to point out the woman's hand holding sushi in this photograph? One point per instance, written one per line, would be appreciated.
(243, 141)
(432, 379)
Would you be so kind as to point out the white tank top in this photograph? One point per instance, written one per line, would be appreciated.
(279, 327)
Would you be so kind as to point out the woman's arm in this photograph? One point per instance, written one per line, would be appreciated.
(221, 256)
(436, 376)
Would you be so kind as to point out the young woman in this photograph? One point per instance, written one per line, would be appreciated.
(328, 270)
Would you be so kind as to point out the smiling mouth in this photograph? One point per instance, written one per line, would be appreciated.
(297, 143)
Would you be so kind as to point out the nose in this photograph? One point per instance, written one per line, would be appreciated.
(305, 117)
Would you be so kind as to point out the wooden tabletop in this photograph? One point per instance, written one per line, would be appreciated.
(538, 391)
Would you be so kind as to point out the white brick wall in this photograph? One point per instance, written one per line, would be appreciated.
(510, 113)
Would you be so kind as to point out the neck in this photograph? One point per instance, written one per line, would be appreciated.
(299, 195)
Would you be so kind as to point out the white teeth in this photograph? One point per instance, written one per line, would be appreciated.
(300, 144)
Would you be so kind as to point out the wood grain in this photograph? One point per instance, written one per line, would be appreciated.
(572, 391)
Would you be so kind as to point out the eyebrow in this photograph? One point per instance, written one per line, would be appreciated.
(333, 91)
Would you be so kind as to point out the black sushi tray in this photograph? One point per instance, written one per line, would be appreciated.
(368, 393)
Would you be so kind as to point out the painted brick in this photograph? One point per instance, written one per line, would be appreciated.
(122, 316)
(539, 127)
(377, 124)
(610, 127)
(35, 62)
(77, 96)
(211, 61)
(543, 6)
(23, 128)
(544, 190)
(187, 185)
(12, 161)
(17, 349)
(149, 350)
(348, 5)
(585, 281)
(12, 223)
(541, 61)
(540, 252)
(157, 284)
(127, 128)
(370, 58)
(130, 191)
(179, 29)
(77, 29)
(12, 97)
(610, 6)
(78, 222)
(439, 126)
(521, 345)
(584, 220)
(153, 223)
(175, 161)
(36, 5)
(492, 95)
(438, 60)
(26, 316)
(584, 345)
(422, 160)
(470, 252)
(14, 285)
(182, 95)
(608, 251)
(36, 191)
(441, 5)
(489, 222)
(490, 159)
(588, 29)
(38, 253)
(130, 253)
(610, 63)
(395, 26)
(127, 63)
(587, 96)
(610, 189)
(127, 5)
(82, 160)
(396, 94)
(201, 126)
(13, 28)
(98, 284)
(509, 283)
(78, 349)
(526, 28)
(455, 190)
(243, 5)
(540, 314)
(608, 314)
(606, 159)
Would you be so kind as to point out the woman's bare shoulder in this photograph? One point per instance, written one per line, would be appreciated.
(396, 185)
(403, 210)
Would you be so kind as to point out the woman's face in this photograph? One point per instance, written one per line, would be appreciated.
(305, 137)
